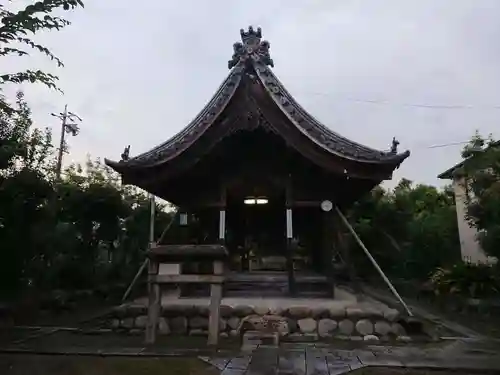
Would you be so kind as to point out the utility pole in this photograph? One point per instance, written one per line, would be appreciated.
(69, 127)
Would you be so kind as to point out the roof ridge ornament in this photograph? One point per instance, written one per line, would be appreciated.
(394, 146)
(251, 48)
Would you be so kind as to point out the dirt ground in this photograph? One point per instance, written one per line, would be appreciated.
(78, 365)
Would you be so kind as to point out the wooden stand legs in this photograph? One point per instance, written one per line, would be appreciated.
(215, 300)
(154, 303)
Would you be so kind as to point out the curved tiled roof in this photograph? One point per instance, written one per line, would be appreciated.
(252, 56)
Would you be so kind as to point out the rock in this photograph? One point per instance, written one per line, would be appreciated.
(346, 327)
(242, 311)
(356, 338)
(307, 325)
(337, 313)
(355, 313)
(198, 322)
(178, 325)
(226, 311)
(233, 333)
(233, 322)
(203, 311)
(391, 315)
(141, 321)
(403, 338)
(261, 310)
(173, 311)
(163, 328)
(370, 338)
(127, 323)
(372, 312)
(299, 312)
(364, 327)
(382, 327)
(326, 327)
(115, 323)
(136, 310)
(397, 329)
(292, 325)
(320, 312)
(276, 311)
(222, 325)
(135, 332)
(266, 323)
(223, 335)
(120, 311)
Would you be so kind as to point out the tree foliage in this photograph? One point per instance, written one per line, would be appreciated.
(58, 234)
(410, 230)
(16, 31)
(481, 177)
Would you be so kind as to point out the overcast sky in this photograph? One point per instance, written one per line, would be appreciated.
(137, 74)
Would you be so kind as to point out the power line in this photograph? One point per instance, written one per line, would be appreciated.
(403, 104)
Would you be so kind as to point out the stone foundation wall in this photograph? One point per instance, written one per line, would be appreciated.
(351, 323)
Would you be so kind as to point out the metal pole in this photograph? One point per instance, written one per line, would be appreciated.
(374, 262)
(145, 263)
(136, 277)
(61, 143)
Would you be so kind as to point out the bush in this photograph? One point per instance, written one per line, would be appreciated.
(467, 280)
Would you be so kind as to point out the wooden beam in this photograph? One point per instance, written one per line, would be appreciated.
(176, 253)
(306, 204)
(186, 279)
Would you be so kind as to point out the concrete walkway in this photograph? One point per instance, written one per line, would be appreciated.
(316, 359)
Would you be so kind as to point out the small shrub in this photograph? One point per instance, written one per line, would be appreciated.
(467, 280)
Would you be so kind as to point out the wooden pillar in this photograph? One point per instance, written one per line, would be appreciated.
(327, 248)
(154, 302)
(215, 301)
(218, 269)
(289, 237)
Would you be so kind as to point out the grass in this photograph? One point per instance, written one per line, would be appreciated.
(408, 371)
(64, 341)
(74, 365)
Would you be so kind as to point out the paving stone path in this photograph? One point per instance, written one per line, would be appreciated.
(316, 359)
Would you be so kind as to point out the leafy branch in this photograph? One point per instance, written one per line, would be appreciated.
(15, 27)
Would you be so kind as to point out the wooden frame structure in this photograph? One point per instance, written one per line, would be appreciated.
(216, 254)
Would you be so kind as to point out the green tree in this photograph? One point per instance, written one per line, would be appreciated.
(24, 194)
(410, 230)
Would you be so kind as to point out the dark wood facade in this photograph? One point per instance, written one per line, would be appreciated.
(254, 140)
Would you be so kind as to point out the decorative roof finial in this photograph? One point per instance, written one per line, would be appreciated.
(251, 47)
(394, 145)
(126, 153)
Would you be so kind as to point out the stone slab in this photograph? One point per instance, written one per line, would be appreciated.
(239, 363)
(264, 361)
(316, 362)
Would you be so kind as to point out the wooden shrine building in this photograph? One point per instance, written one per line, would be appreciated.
(257, 173)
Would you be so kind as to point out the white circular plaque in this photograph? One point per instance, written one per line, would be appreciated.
(326, 206)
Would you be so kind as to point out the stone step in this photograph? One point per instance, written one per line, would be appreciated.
(254, 338)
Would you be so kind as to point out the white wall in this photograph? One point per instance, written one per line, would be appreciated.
(469, 245)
